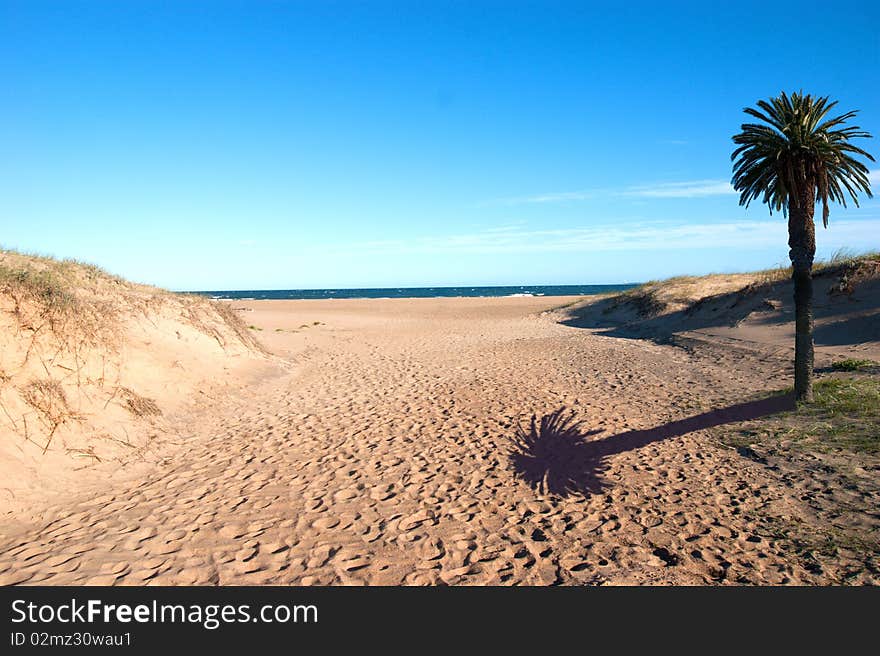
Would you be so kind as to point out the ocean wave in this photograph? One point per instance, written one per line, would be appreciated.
(519, 291)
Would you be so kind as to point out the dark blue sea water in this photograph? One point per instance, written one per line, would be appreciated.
(418, 292)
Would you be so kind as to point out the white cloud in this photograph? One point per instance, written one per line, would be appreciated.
(688, 189)
(874, 177)
(550, 197)
(694, 189)
(512, 227)
(856, 235)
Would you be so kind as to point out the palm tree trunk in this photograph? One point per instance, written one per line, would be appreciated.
(802, 245)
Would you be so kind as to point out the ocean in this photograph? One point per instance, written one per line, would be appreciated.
(417, 292)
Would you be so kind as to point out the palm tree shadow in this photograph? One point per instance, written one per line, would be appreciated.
(556, 457)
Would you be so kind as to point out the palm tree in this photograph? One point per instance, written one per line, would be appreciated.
(794, 159)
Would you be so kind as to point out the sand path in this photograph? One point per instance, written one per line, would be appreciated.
(384, 457)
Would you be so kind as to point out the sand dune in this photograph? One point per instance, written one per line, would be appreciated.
(94, 370)
(748, 310)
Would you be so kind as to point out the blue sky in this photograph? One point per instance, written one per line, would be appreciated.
(245, 145)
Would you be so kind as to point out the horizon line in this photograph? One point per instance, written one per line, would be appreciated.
(403, 287)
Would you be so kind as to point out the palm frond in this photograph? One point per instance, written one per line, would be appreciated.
(796, 152)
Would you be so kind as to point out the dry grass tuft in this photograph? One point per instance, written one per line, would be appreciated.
(41, 287)
(57, 296)
(771, 276)
(644, 300)
(691, 293)
(139, 406)
(237, 324)
(47, 396)
(855, 364)
(48, 399)
(851, 271)
(83, 306)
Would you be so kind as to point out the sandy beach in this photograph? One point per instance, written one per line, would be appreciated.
(409, 441)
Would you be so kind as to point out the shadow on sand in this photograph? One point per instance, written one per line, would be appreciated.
(555, 456)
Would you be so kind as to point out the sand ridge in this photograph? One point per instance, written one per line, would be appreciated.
(387, 455)
(96, 370)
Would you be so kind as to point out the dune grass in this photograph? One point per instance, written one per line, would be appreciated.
(655, 297)
(138, 405)
(844, 417)
(42, 287)
(47, 398)
(854, 364)
(845, 414)
(563, 306)
(232, 319)
(46, 296)
(834, 441)
(83, 303)
(644, 300)
(65, 323)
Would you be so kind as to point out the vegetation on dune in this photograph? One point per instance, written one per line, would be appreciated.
(47, 397)
(844, 416)
(42, 287)
(687, 293)
(644, 299)
(239, 327)
(793, 159)
(67, 326)
(139, 406)
(45, 296)
(82, 304)
(851, 267)
(853, 364)
(852, 270)
(832, 447)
